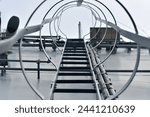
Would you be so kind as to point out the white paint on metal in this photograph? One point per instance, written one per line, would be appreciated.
(6, 44)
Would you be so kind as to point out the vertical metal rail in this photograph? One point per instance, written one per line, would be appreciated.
(97, 85)
(0, 24)
(104, 75)
(101, 75)
(104, 91)
(53, 84)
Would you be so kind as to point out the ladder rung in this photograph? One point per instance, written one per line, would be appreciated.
(75, 40)
(74, 62)
(74, 45)
(74, 81)
(74, 68)
(75, 58)
(75, 48)
(74, 91)
(75, 74)
(75, 54)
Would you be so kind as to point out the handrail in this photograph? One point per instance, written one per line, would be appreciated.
(94, 77)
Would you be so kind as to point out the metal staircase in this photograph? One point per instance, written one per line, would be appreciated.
(75, 77)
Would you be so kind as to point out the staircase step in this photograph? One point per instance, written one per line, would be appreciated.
(74, 81)
(74, 90)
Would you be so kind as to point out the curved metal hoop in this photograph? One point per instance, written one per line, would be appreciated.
(138, 48)
(20, 57)
(104, 34)
(137, 59)
(70, 6)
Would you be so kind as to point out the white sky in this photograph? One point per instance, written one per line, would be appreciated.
(139, 9)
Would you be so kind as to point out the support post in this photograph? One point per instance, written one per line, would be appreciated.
(38, 69)
(40, 44)
(2, 72)
(79, 27)
(0, 24)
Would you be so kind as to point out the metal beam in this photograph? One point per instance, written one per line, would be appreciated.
(127, 71)
(79, 28)
(28, 69)
(0, 23)
(140, 40)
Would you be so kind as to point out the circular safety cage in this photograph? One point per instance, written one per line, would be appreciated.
(56, 36)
